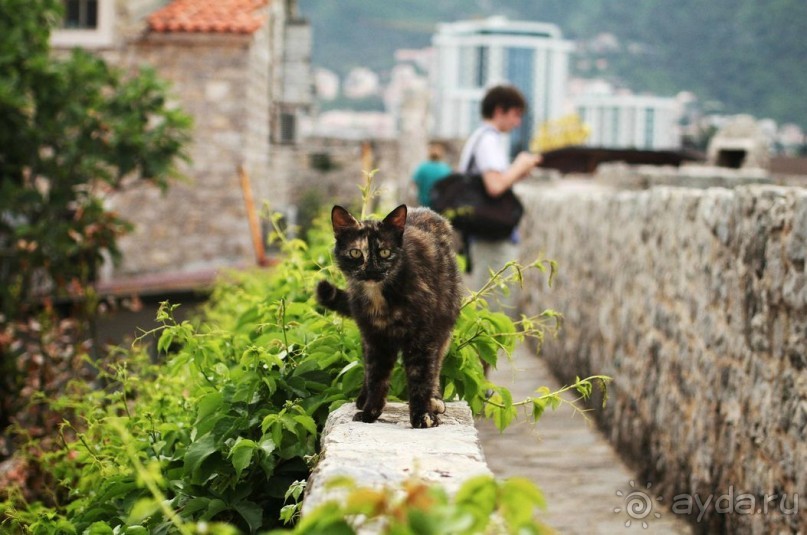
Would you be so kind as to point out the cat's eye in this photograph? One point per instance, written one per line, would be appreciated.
(354, 253)
(384, 253)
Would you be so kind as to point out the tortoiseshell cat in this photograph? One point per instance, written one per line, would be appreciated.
(404, 294)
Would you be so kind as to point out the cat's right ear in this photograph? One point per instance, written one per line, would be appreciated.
(342, 220)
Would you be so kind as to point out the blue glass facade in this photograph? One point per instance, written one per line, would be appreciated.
(520, 71)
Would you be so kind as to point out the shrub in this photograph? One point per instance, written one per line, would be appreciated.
(224, 427)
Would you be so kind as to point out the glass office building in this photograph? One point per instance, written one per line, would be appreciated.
(472, 56)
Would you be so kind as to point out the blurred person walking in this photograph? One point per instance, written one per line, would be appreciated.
(431, 171)
(485, 153)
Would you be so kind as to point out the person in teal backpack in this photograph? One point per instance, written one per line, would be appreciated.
(431, 171)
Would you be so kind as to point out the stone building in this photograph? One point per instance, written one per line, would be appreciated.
(739, 144)
(241, 69)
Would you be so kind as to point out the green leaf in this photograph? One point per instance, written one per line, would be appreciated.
(165, 341)
(252, 513)
(519, 499)
(208, 405)
(422, 523)
(503, 417)
(307, 422)
(197, 452)
(195, 505)
(143, 509)
(538, 408)
(487, 351)
(296, 490)
(268, 422)
(347, 368)
(477, 495)
(241, 454)
(214, 507)
(289, 512)
(99, 528)
(267, 445)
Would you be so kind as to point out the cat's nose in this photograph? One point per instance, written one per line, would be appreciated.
(374, 275)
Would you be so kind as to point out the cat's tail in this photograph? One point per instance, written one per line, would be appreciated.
(333, 298)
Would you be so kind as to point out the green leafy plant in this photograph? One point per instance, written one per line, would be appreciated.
(73, 128)
(222, 431)
(481, 505)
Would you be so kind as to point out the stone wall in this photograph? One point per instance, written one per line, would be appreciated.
(389, 452)
(695, 301)
(326, 171)
(202, 223)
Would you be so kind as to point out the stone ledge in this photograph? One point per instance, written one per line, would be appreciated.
(389, 451)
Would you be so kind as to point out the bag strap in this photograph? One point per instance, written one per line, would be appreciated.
(466, 238)
(472, 159)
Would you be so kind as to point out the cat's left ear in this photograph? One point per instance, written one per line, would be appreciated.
(342, 220)
(397, 218)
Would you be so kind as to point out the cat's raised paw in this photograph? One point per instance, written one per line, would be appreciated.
(425, 420)
(326, 293)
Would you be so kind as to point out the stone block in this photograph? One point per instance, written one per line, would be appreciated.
(389, 451)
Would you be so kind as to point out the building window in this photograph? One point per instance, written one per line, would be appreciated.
(615, 127)
(86, 24)
(649, 127)
(288, 124)
(481, 66)
(466, 66)
(521, 73)
(81, 14)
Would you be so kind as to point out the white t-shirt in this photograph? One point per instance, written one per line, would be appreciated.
(489, 151)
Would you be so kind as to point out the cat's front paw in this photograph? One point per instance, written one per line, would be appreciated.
(424, 420)
(366, 416)
(326, 293)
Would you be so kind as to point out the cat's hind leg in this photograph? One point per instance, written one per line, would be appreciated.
(422, 365)
(437, 404)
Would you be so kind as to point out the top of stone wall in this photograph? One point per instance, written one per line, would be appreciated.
(390, 451)
(622, 175)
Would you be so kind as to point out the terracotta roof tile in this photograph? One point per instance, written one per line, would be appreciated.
(209, 16)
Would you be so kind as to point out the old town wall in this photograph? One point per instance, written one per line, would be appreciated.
(694, 299)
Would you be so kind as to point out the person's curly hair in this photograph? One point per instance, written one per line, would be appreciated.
(505, 97)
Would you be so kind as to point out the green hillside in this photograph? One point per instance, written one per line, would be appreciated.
(736, 55)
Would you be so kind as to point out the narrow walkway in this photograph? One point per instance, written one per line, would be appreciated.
(569, 459)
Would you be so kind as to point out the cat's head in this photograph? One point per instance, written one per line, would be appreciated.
(369, 250)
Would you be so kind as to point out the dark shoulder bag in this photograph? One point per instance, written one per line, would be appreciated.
(463, 200)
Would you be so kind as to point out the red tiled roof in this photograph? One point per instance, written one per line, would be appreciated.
(209, 16)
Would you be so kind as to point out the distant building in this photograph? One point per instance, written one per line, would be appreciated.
(326, 83)
(361, 82)
(626, 121)
(472, 56)
(740, 144)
